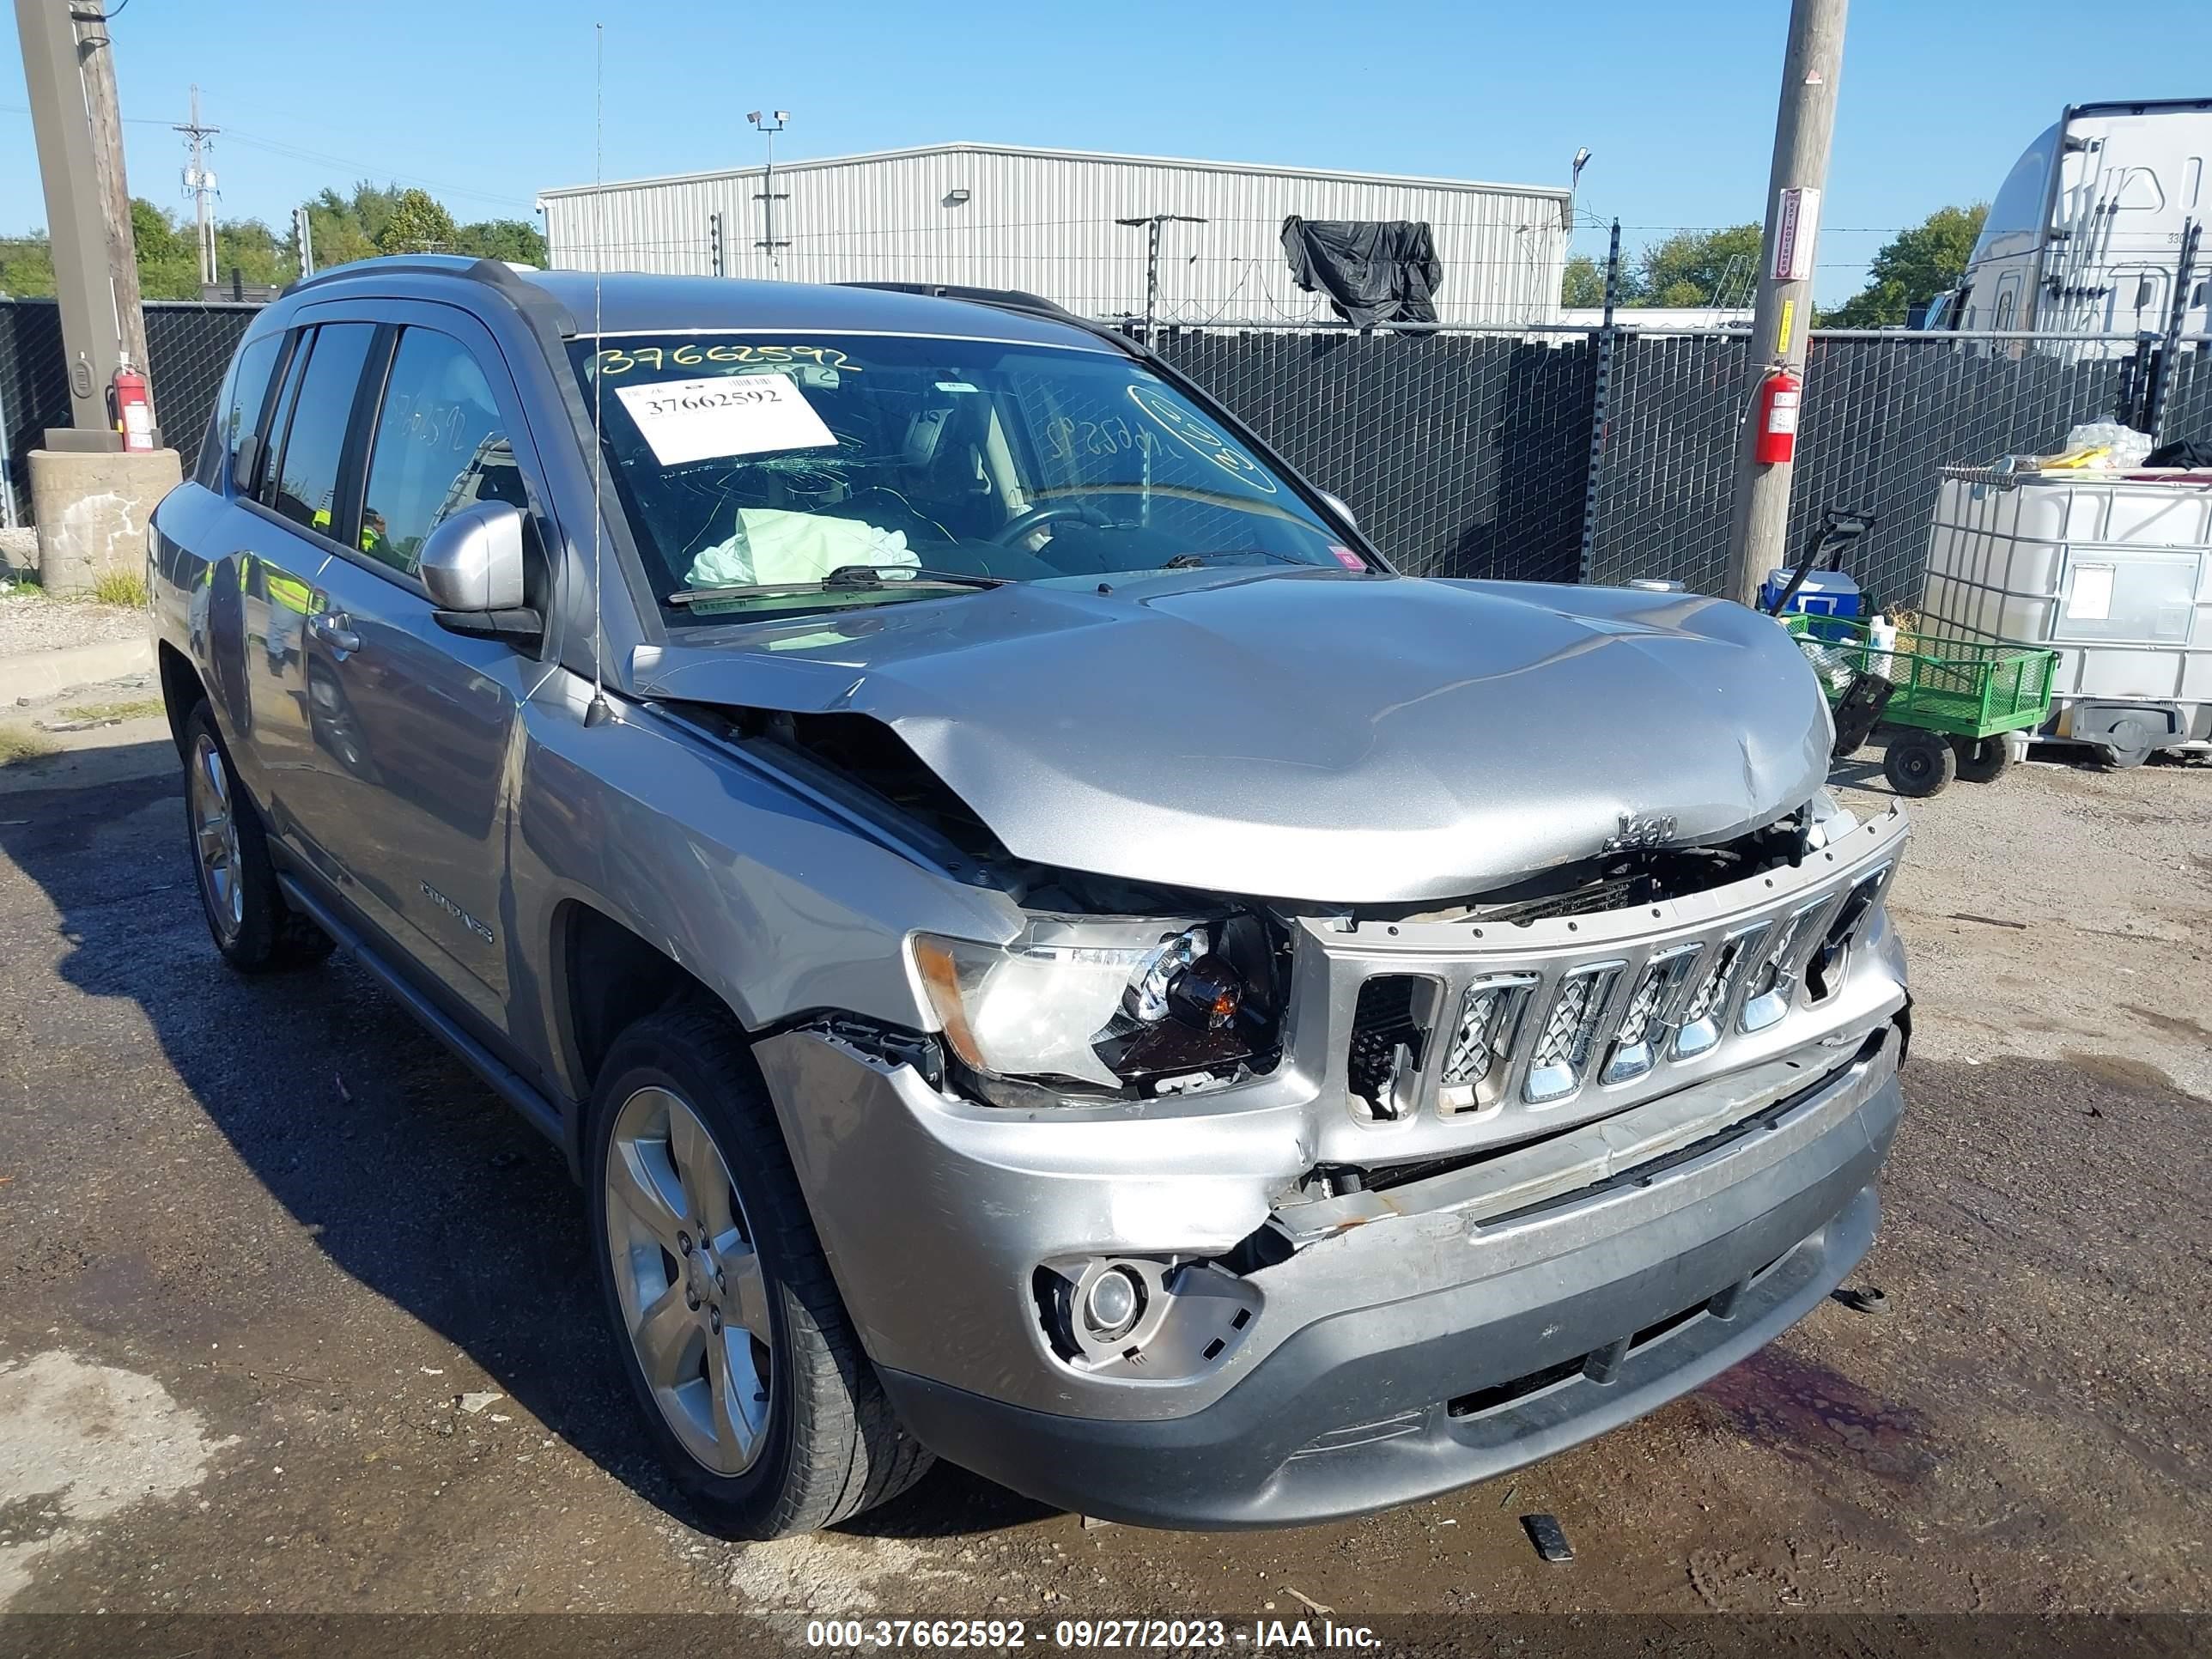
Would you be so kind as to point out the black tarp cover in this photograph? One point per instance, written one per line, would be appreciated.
(1372, 270)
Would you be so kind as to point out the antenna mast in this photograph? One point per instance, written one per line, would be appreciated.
(597, 711)
(199, 184)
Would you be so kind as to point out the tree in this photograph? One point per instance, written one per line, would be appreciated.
(516, 241)
(168, 263)
(1913, 265)
(26, 266)
(418, 224)
(334, 226)
(1583, 284)
(1700, 267)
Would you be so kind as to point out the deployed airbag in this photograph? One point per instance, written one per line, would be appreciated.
(773, 545)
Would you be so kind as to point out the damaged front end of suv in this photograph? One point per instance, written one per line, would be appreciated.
(1379, 1172)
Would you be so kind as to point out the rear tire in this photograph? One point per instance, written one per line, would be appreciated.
(252, 927)
(1984, 760)
(1919, 762)
(713, 1277)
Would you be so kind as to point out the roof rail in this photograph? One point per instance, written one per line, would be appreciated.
(439, 264)
(1006, 298)
(526, 297)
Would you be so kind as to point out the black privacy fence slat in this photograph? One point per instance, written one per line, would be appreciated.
(1467, 452)
(1463, 454)
(188, 346)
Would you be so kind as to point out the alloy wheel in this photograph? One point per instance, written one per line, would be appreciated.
(214, 838)
(693, 1297)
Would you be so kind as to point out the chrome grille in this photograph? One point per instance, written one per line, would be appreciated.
(1707, 1011)
(1562, 1049)
(1821, 966)
(1643, 1024)
(1489, 1021)
(1526, 1016)
(1774, 983)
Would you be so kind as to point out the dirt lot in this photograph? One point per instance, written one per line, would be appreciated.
(264, 1251)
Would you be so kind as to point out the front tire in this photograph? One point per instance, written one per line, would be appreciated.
(252, 927)
(749, 1376)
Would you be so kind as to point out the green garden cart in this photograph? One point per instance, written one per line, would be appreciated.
(1951, 701)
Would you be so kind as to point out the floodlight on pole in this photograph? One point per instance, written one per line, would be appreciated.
(768, 124)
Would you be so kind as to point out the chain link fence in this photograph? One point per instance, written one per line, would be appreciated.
(1469, 452)
(1463, 454)
(1883, 414)
(188, 345)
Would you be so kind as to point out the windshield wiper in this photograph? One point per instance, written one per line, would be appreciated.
(845, 577)
(1230, 556)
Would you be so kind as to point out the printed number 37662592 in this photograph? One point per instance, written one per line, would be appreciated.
(739, 395)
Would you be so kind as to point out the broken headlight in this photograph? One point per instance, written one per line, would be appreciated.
(1112, 1003)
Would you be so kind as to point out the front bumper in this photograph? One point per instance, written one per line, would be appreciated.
(1458, 1330)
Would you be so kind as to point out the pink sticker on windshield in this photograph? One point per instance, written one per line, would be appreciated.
(1347, 558)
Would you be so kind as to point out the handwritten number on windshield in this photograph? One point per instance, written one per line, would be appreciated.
(615, 361)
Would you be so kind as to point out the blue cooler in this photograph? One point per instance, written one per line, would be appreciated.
(1822, 593)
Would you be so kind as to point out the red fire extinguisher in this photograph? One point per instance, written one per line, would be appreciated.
(134, 407)
(1779, 396)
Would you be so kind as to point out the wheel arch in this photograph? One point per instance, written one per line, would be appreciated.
(606, 977)
(181, 689)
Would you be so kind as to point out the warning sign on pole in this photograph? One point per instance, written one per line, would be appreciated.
(1797, 219)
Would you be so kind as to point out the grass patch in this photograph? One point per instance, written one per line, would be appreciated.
(19, 745)
(121, 587)
(112, 711)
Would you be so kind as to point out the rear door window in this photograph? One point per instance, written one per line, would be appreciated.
(306, 479)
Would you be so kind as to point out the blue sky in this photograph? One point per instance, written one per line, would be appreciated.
(488, 103)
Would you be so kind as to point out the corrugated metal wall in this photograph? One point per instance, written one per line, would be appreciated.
(1046, 222)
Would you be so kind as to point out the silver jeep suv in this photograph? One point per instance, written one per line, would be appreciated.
(1040, 947)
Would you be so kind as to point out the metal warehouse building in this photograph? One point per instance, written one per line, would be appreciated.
(1043, 220)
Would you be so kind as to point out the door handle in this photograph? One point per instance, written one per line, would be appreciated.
(334, 629)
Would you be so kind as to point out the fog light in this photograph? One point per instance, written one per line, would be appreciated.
(1113, 1303)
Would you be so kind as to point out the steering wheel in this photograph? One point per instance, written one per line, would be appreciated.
(1050, 513)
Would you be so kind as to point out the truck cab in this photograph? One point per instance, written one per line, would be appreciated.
(2085, 234)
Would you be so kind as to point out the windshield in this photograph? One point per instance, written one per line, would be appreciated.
(767, 474)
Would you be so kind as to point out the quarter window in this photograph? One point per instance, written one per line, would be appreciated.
(244, 394)
(307, 475)
(441, 444)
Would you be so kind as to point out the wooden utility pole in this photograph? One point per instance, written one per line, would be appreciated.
(1811, 66)
(199, 179)
(96, 61)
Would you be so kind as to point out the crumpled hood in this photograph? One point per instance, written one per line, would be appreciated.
(1316, 736)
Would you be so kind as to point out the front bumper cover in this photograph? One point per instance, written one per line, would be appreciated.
(1403, 1400)
(1396, 1358)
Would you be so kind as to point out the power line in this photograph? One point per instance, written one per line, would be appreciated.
(297, 153)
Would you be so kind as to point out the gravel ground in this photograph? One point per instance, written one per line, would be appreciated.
(35, 623)
(262, 1246)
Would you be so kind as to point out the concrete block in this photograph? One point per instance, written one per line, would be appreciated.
(91, 512)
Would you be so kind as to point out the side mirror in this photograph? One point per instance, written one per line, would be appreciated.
(473, 562)
(1335, 504)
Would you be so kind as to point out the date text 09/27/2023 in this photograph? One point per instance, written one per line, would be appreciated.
(1149, 1635)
